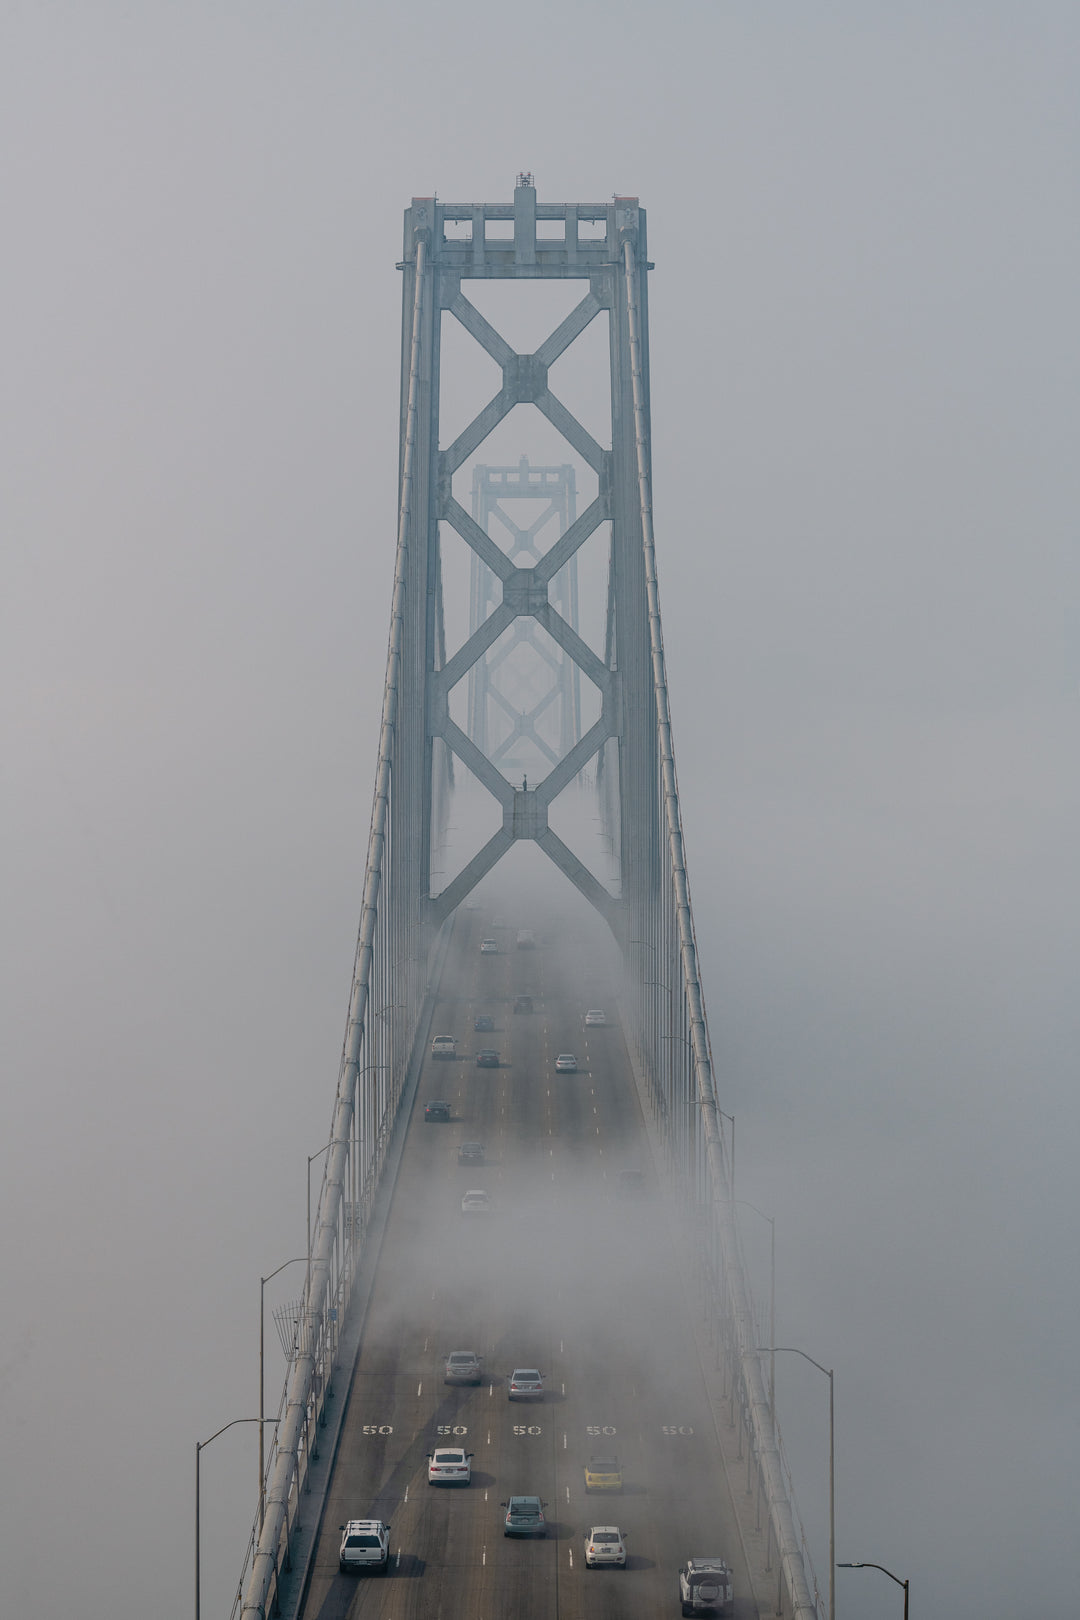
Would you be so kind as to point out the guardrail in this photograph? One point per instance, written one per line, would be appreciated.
(392, 952)
(683, 1095)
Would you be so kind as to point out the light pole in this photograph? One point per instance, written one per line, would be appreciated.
(362, 1124)
(792, 1350)
(772, 1299)
(884, 1571)
(310, 1161)
(696, 1102)
(296, 1260)
(200, 1447)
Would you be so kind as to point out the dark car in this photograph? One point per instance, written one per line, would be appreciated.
(523, 1003)
(437, 1111)
(487, 1058)
(524, 1517)
(484, 1022)
(470, 1153)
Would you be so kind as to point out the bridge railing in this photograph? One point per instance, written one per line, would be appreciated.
(671, 1038)
(386, 1018)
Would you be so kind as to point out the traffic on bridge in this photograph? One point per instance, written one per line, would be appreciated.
(570, 1269)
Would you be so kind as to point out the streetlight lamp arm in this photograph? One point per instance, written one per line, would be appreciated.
(201, 1445)
(865, 1564)
(791, 1349)
(297, 1259)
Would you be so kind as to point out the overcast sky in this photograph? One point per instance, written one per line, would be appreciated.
(864, 368)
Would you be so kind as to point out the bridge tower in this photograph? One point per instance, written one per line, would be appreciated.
(603, 247)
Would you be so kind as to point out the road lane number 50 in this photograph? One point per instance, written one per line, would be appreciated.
(671, 1428)
(378, 1428)
(595, 1429)
(451, 1428)
(526, 1428)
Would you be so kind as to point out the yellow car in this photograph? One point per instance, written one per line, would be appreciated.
(603, 1474)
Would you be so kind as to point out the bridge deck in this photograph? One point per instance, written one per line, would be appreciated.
(564, 1274)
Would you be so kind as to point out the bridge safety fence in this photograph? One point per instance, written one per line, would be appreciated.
(388, 1005)
(670, 1038)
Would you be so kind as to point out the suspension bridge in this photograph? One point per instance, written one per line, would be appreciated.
(526, 908)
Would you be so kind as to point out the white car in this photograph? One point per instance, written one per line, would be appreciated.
(489, 947)
(365, 1544)
(595, 1018)
(566, 1063)
(526, 1384)
(451, 1466)
(476, 1202)
(605, 1544)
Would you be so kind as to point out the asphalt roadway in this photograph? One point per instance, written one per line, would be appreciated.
(565, 1275)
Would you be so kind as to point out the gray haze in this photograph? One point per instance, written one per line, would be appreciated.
(864, 371)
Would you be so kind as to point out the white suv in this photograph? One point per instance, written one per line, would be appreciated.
(705, 1586)
(365, 1544)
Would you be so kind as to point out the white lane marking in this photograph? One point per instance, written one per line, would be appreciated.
(406, 1493)
(560, 1347)
(563, 1388)
(570, 1550)
(483, 1555)
(425, 1346)
(420, 1388)
(564, 1431)
(568, 1494)
(488, 1442)
(397, 1559)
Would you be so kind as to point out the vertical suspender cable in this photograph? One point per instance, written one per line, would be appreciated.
(760, 1414)
(291, 1429)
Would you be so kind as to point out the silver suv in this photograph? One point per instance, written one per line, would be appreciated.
(463, 1367)
(705, 1586)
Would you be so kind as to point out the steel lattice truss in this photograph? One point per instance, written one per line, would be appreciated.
(525, 695)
